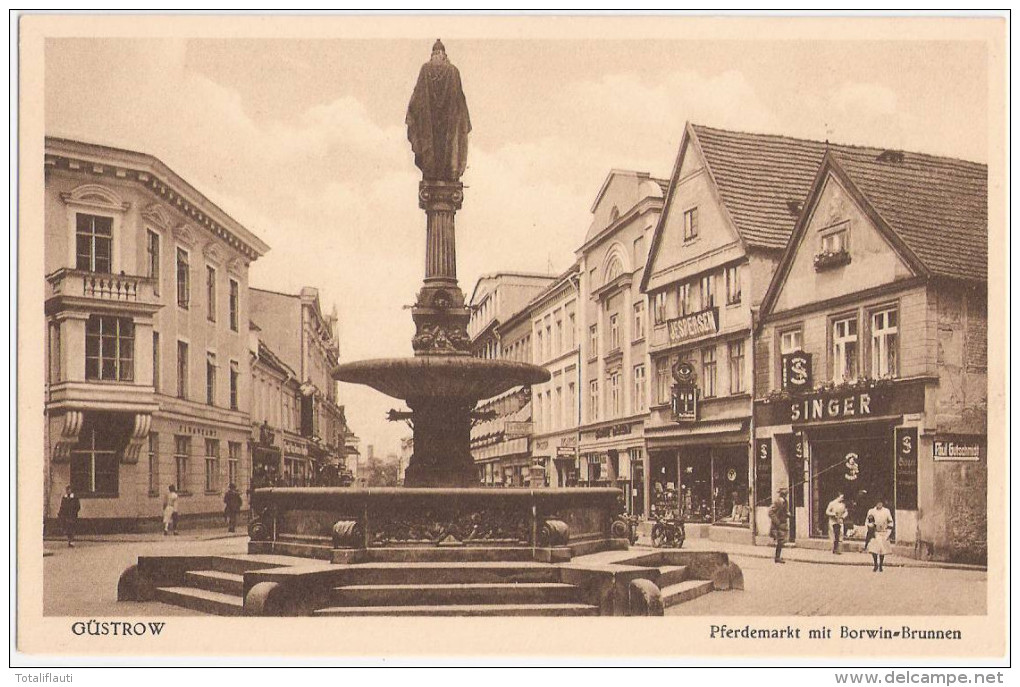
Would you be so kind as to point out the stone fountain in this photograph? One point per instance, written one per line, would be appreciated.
(440, 545)
(443, 381)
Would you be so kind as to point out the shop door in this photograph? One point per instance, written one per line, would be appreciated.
(730, 493)
(638, 487)
(861, 467)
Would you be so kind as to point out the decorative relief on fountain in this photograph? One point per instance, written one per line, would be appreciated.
(446, 526)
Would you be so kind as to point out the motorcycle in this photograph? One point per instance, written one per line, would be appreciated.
(668, 534)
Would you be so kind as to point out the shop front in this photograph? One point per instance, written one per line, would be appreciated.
(701, 470)
(614, 456)
(864, 441)
(556, 458)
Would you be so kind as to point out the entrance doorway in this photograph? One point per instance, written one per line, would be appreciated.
(856, 463)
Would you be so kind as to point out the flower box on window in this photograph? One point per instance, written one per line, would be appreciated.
(829, 259)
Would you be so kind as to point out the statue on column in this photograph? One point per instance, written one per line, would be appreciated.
(437, 120)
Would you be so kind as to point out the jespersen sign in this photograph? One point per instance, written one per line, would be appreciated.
(694, 325)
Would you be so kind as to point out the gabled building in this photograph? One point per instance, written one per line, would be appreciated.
(732, 204)
(872, 345)
(147, 308)
(614, 328)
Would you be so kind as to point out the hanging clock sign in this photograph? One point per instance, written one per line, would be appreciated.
(685, 392)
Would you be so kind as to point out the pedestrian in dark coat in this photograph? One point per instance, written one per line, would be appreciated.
(779, 516)
(232, 506)
(70, 506)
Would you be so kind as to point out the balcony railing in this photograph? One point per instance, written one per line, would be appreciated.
(121, 288)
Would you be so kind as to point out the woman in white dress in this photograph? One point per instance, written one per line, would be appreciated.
(170, 511)
(878, 544)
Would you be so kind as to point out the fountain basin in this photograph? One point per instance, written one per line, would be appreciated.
(344, 524)
(441, 376)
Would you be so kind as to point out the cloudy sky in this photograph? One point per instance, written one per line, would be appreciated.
(303, 141)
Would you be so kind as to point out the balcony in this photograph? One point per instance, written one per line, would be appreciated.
(71, 289)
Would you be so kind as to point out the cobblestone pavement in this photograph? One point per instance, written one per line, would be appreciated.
(82, 582)
(808, 588)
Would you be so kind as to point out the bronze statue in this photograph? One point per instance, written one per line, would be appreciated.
(437, 120)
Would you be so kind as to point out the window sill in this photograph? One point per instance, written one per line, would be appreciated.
(153, 494)
(184, 493)
(733, 304)
(96, 495)
(212, 492)
(637, 341)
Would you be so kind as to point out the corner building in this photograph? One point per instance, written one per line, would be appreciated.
(873, 350)
(148, 378)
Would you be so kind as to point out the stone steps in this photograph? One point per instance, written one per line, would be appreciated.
(549, 609)
(368, 595)
(684, 591)
(204, 600)
(671, 574)
(216, 581)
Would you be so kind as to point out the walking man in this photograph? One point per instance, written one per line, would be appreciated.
(232, 503)
(836, 510)
(68, 514)
(779, 516)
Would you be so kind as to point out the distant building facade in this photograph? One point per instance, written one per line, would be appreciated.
(500, 329)
(556, 406)
(147, 307)
(614, 328)
(294, 328)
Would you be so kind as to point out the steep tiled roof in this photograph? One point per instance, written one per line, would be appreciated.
(759, 177)
(938, 206)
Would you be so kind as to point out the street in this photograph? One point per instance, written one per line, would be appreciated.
(83, 581)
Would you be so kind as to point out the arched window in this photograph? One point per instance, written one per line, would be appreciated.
(613, 269)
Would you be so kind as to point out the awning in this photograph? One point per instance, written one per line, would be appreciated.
(696, 433)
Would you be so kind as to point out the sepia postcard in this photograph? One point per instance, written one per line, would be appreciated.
(390, 336)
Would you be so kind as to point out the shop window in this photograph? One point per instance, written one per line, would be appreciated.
(844, 349)
(234, 304)
(109, 348)
(640, 388)
(212, 465)
(639, 320)
(93, 243)
(152, 253)
(183, 278)
(153, 464)
(210, 293)
(884, 343)
(210, 378)
(182, 454)
(708, 291)
(708, 372)
(659, 307)
(733, 293)
(614, 332)
(737, 366)
(691, 224)
(593, 408)
(182, 369)
(94, 463)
